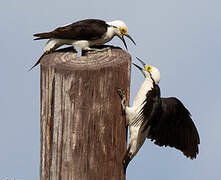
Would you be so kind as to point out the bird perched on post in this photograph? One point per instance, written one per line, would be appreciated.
(84, 34)
(163, 120)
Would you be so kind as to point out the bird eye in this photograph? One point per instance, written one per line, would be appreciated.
(148, 68)
(123, 30)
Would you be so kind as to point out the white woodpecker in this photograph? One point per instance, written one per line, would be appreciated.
(83, 35)
(163, 120)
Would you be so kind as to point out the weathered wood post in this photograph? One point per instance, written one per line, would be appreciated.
(83, 134)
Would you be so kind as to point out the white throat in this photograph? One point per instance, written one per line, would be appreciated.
(141, 94)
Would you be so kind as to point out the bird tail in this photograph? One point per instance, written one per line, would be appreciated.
(127, 159)
(39, 60)
(42, 36)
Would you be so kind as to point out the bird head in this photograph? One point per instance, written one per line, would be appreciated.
(149, 71)
(120, 29)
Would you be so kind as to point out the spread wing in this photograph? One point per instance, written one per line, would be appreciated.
(175, 128)
(89, 29)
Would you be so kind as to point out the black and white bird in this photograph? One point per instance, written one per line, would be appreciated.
(83, 35)
(165, 121)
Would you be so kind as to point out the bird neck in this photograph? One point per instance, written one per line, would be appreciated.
(105, 38)
(141, 94)
(110, 33)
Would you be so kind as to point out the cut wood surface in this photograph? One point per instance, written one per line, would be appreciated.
(83, 133)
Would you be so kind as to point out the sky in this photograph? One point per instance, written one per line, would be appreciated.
(181, 38)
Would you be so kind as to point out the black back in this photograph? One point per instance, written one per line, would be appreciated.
(89, 29)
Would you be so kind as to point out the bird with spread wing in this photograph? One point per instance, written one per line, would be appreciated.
(165, 121)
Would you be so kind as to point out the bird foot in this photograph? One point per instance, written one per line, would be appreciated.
(122, 95)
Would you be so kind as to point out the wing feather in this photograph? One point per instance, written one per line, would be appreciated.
(89, 29)
(175, 128)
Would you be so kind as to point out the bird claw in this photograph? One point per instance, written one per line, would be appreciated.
(122, 95)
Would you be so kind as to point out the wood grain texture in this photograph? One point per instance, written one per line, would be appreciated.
(83, 134)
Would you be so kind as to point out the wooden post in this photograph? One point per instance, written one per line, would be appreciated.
(83, 134)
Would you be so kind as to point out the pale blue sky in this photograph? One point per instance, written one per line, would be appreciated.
(181, 38)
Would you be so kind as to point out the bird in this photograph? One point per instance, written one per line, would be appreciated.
(165, 121)
(83, 35)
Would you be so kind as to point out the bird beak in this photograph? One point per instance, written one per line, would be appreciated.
(143, 63)
(122, 38)
(130, 38)
(140, 68)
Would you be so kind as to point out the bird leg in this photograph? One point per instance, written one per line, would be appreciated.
(96, 50)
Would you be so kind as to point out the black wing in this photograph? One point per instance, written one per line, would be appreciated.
(89, 29)
(150, 110)
(175, 128)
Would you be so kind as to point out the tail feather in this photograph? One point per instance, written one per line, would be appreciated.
(39, 60)
(127, 159)
(39, 36)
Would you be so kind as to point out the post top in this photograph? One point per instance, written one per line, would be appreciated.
(67, 59)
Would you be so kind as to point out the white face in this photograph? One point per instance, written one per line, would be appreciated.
(151, 71)
(155, 74)
(121, 27)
